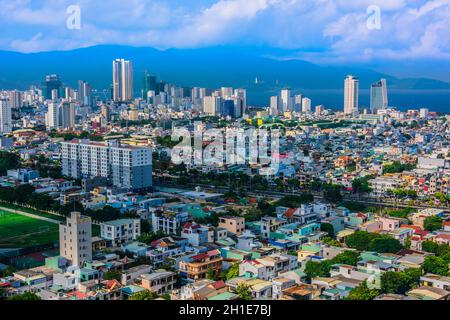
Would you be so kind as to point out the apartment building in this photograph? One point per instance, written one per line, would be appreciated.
(75, 239)
(197, 267)
(160, 281)
(125, 167)
(121, 231)
(234, 225)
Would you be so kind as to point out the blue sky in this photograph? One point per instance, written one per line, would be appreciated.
(321, 31)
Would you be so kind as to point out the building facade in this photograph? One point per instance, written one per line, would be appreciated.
(124, 166)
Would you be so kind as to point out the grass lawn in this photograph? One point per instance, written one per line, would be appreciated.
(17, 231)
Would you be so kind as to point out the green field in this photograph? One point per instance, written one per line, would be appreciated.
(18, 231)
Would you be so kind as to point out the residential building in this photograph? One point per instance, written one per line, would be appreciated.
(121, 231)
(75, 239)
(124, 166)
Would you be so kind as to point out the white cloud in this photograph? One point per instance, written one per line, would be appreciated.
(336, 29)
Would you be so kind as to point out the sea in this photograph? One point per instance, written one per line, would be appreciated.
(434, 100)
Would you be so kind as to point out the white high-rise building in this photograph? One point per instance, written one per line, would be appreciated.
(286, 100)
(61, 115)
(15, 99)
(5, 116)
(226, 92)
(75, 239)
(306, 105)
(319, 110)
(126, 167)
(274, 105)
(241, 95)
(211, 105)
(122, 80)
(351, 94)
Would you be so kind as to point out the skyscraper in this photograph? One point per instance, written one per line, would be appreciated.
(148, 84)
(378, 96)
(122, 80)
(84, 93)
(306, 105)
(61, 115)
(351, 94)
(52, 82)
(15, 99)
(286, 100)
(212, 105)
(5, 116)
(298, 103)
(274, 105)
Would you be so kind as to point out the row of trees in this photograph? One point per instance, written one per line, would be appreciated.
(391, 282)
(322, 269)
(366, 241)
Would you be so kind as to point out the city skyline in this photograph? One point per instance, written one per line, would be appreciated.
(316, 32)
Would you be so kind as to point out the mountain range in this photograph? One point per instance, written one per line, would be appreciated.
(204, 67)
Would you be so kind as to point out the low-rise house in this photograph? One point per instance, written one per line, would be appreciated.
(128, 276)
(260, 289)
(428, 293)
(435, 281)
(279, 284)
(197, 234)
(337, 222)
(121, 231)
(234, 225)
(301, 292)
(197, 267)
(160, 281)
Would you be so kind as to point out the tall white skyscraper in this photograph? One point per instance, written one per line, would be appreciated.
(351, 94)
(306, 105)
(75, 239)
(378, 96)
(286, 100)
(61, 115)
(274, 105)
(211, 105)
(241, 95)
(122, 80)
(5, 116)
(15, 99)
(84, 93)
(226, 92)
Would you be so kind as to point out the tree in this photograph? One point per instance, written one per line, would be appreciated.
(318, 269)
(243, 291)
(295, 201)
(347, 257)
(8, 161)
(144, 295)
(362, 292)
(211, 275)
(360, 240)
(112, 274)
(436, 265)
(232, 272)
(439, 250)
(385, 245)
(26, 296)
(366, 241)
(333, 194)
(330, 241)
(433, 223)
(327, 227)
(400, 282)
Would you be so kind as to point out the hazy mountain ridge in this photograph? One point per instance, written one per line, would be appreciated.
(206, 67)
